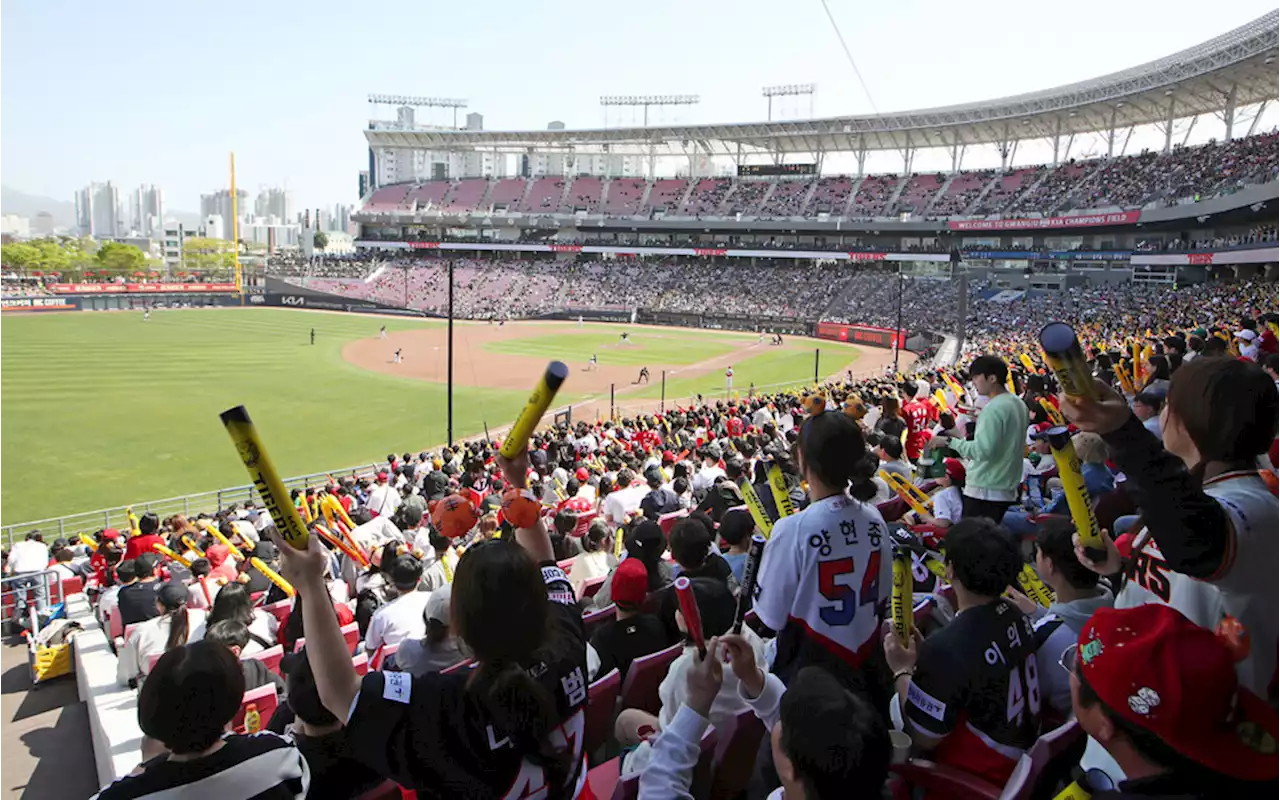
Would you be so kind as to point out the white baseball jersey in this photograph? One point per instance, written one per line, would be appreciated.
(1244, 585)
(821, 578)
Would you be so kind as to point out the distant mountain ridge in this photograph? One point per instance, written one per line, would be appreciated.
(13, 201)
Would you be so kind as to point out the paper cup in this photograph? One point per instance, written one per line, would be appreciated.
(901, 746)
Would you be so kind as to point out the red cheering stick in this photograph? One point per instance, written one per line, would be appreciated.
(689, 609)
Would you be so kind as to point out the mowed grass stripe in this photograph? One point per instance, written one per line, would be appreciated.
(104, 409)
(789, 364)
(645, 348)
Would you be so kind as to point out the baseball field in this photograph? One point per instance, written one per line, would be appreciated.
(106, 409)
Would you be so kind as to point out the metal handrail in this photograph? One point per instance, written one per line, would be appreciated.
(8, 593)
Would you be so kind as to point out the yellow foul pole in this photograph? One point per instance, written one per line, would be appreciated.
(235, 228)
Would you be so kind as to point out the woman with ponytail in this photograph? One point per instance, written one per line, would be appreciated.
(510, 727)
(175, 626)
(826, 569)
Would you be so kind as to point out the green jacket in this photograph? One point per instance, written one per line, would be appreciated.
(999, 445)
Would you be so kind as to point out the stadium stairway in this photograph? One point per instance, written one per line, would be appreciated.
(986, 190)
(46, 750)
(941, 193)
(808, 197)
(853, 192)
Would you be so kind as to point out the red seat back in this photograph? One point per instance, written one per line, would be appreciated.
(351, 633)
(591, 588)
(1033, 763)
(270, 657)
(257, 597)
(72, 586)
(640, 690)
(602, 698)
(115, 628)
(361, 662)
(380, 657)
(944, 781)
(736, 755)
(461, 665)
(387, 790)
(668, 521)
(280, 610)
(129, 629)
(592, 622)
(564, 565)
(265, 698)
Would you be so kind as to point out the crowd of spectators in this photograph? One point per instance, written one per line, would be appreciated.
(455, 557)
(1150, 177)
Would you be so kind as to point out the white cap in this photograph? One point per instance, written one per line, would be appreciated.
(438, 604)
(1246, 334)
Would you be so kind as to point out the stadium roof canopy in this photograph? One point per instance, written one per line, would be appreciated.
(1219, 76)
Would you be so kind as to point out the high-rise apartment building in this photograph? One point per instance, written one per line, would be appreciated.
(98, 210)
(218, 204)
(273, 202)
(146, 210)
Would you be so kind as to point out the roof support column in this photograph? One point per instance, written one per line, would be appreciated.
(1111, 133)
(1003, 147)
(1187, 137)
(1071, 139)
(1229, 113)
(908, 154)
(1261, 110)
(861, 155)
(1127, 136)
(1168, 125)
(1057, 139)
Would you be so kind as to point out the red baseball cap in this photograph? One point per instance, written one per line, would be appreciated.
(382, 477)
(630, 584)
(955, 468)
(110, 533)
(1158, 670)
(668, 457)
(582, 475)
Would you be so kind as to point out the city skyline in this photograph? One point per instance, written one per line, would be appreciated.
(289, 95)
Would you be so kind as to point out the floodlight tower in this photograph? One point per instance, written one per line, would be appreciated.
(788, 90)
(644, 101)
(400, 100)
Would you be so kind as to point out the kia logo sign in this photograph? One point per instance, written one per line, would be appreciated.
(291, 300)
(257, 299)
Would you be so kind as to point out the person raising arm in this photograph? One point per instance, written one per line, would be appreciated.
(509, 726)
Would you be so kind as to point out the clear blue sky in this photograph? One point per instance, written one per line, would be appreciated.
(138, 91)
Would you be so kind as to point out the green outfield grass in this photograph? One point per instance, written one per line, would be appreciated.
(791, 363)
(647, 346)
(103, 409)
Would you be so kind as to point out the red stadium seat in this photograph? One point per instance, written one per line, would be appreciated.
(351, 633)
(270, 657)
(591, 587)
(565, 564)
(387, 790)
(602, 698)
(938, 780)
(1057, 743)
(592, 621)
(72, 586)
(668, 521)
(383, 653)
(460, 666)
(279, 609)
(640, 690)
(129, 629)
(266, 700)
(114, 627)
(736, 755)
(257, 597)
(361, 662)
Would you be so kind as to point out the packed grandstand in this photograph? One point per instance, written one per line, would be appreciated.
(956, 580)
(1073, 187)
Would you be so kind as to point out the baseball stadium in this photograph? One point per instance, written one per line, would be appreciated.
(684, 348)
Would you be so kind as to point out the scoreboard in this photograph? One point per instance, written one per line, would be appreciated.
(762, 170)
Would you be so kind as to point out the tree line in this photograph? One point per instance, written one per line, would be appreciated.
(76, 258)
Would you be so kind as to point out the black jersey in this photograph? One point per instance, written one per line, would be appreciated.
(431, 735)
(977, 689)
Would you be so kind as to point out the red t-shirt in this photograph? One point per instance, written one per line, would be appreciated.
(138, 545)
(735, 426)
(919, 415)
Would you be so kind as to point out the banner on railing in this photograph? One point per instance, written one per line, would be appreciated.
(629, 251)
(140, 288)
(1032, 223)
(38, 304)
(861, 334)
